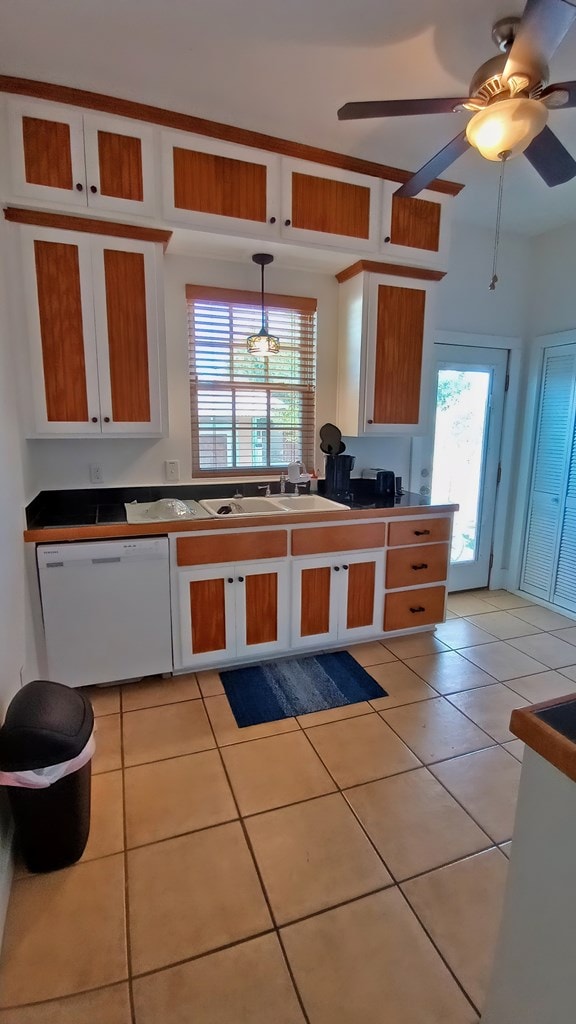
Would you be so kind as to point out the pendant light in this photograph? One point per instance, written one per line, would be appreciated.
(263, 343)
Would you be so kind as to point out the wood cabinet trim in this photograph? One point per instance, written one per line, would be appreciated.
(233, 547)
(88, 225)
(213, 129)
(419, 531)
(550, 744)
(393, 269)
(338, 538)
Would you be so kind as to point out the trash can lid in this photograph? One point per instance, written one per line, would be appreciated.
(46, 723)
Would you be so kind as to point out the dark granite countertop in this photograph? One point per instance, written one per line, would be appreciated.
(105, 506)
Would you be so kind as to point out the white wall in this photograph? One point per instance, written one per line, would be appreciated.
(553, 291)
(464, 303)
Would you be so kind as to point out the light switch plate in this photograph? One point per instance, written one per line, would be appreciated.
(172, 470)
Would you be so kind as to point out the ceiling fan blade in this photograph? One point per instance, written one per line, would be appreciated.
(543, 27)
(397, 108)
(551, 159)
(434, 167)
(560, 95)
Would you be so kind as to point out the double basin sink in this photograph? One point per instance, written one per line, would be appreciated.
(279, 504)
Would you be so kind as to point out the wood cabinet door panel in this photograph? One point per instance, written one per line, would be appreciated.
(64, 372)
(361, 593)
(47, 153)
(398, 364)
(207, 615)
(410, 567)
(208, 183)
(120, 166)
(407, 609)
(62, 332)
(334, 207)
(315, 601)
(127, 336)
(415, 223)
(262, 608)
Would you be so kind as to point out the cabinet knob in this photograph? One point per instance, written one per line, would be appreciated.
(240, 579)
(345, 567)
(106, 419)
(419, 608)
(93, 188)
(94, 419)
(422, 566)
(421, 533)
(336, 568)
(79, 186)
(287, 223)
(230, 579)
(272, 220)
(370, 421)
(387, 239)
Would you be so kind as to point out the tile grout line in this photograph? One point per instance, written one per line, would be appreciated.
(126, 885)
(248, 842)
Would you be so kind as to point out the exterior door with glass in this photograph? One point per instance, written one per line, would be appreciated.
(460, 462)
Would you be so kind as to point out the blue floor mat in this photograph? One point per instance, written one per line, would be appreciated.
(297, 686)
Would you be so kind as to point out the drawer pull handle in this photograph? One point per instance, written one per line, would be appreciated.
(423, 565)
(345, 567)
(419, 608)
(230, 579)
(336, 568)
(240, 579)
(421, 533)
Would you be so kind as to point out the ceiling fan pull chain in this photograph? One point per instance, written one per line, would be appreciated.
(494, 281)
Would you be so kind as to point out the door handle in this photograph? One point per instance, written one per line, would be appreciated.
(240, 579)
(422, 566)
(345, 567)
(336, 568)
(230, 579)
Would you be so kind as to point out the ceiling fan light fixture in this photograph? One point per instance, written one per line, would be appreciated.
(508, 125)
(263, 343)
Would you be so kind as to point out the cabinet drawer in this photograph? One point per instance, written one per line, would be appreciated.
(419, 531)
(231, 547)
(410, 608)
(338, 538)
(406, 567)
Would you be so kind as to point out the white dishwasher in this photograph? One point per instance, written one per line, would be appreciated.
(106, 608)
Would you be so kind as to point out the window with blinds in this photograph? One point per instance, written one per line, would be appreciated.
(250, 414)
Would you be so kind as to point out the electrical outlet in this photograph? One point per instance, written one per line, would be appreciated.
(96, 473)
(172, 470)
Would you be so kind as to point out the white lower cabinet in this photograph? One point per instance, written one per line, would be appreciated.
(232, 611)
(337, 597)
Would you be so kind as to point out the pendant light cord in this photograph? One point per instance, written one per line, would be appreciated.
(264, 326)
(494, 281)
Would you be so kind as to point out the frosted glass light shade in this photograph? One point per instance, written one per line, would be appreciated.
(507, 126)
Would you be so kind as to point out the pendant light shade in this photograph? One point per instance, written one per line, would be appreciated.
(263, 343)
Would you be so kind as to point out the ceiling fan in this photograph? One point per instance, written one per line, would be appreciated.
(510, 98)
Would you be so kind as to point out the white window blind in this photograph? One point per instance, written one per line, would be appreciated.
(250, 414)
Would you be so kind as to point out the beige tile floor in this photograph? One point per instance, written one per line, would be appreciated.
(308, 870)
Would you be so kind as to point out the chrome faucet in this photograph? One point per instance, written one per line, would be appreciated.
(282, 483)
(266, 488)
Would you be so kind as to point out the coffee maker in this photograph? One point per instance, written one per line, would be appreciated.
(338, 469)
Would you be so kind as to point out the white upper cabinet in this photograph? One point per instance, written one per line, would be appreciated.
(60, 155)
(94, 307)
(219, 186)
(415, 230)
(324, 205)
(384, 354)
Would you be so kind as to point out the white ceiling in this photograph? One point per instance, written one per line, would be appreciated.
(285, 66)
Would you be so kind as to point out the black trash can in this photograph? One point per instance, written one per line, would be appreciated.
(46, 746)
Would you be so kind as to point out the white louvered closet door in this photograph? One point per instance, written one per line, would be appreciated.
(550, 545)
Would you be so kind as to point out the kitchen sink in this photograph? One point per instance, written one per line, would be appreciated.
(280, 503)
(241, 506)
(308, 503)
